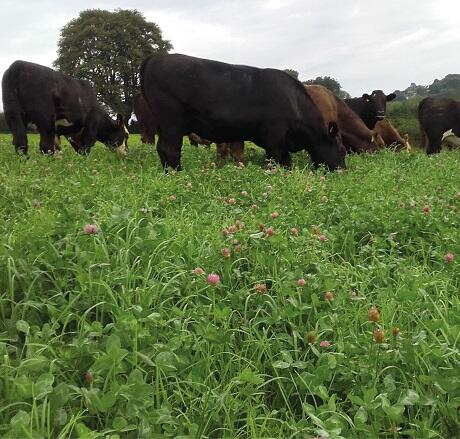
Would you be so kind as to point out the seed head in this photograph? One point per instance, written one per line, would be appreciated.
(373, 315)
(310, 337)
(261, 288)
(379, 336)
(88, 377)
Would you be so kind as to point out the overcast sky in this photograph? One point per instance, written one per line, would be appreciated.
(364, 44)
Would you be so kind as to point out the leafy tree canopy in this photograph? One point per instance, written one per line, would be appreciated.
(447, 86)
(293, 73)
(331, 84)
(107, 49)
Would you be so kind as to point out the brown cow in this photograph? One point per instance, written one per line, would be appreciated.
(355, 134)
(391, 137)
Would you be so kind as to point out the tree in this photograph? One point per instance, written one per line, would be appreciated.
(331, 84)
(107, 48)
(293, 73)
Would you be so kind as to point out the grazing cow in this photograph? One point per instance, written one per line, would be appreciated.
(58, 105)
(436, 117)
(232, 103)
(147, 124)
(391, 137)
(371, 108)
(355, 134)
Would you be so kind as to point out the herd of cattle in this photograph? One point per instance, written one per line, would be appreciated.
(223, 103)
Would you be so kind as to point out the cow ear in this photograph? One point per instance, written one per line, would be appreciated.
(390, 97)
(120, 120)
(366, 97)
(333, 129)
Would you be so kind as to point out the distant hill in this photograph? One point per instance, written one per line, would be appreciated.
(448, 86)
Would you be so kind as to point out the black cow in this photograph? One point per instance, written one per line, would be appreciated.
(371, 108)
(58, 105)
(437, 115)
(230, 103)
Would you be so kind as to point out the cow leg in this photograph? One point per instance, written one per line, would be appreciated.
(192, 141)
(18, 125)
(433, 143)
(222, 150)
(237, 151)
(286, 161)
(423, 139)
(150, 137)
(169, 149)
(47, 135)
(275, 150)
(273, 153)
(57, 143)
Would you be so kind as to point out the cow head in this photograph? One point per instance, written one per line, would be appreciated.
(329, 149)
(116, 135)
(378, 99)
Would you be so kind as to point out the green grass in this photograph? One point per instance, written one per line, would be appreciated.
(113, 334)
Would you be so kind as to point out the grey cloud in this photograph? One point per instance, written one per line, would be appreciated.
(365, 44)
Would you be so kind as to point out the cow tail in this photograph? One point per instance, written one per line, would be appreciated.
(142, 73)
(11, 103)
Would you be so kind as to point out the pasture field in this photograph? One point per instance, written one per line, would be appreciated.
(114, 334)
